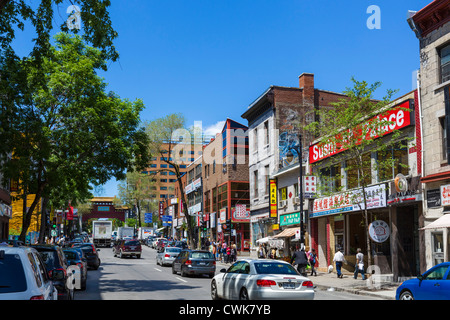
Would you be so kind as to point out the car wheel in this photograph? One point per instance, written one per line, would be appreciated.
(406, 295)
(138, 256)
(120, 254)
(173, 270)
(214, 294)
(243, 295)
(183, 274)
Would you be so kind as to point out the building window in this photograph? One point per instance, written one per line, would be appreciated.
(445, 63)
(255, 140)
(255, 183)
(392, 161)
(266, 172)
(444, 138)
(266, 132)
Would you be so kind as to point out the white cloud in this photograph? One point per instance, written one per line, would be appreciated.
(214, 128)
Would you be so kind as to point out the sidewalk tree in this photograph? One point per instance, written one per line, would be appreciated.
(346, 129)
(64, 131)
(135, 192)
(164, 135)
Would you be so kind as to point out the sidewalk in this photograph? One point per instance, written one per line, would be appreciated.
(330, 281)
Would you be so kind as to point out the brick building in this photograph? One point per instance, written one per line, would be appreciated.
(225, 185)
(273, 121)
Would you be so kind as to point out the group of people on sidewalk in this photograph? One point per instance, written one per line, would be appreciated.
(307, 260)
(223, 252)
(339, 259)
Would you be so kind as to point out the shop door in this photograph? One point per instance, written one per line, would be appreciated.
(408, 241)
(438, 247)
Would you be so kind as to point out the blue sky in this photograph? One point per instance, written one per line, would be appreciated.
(209, 59)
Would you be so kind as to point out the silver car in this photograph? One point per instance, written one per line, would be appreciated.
(167, 255)
(260, 280)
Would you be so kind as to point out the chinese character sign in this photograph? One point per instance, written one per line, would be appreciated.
(273, 198)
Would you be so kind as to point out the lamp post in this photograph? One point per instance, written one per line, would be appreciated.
(290, 157)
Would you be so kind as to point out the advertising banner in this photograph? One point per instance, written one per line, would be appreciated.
(273, 198)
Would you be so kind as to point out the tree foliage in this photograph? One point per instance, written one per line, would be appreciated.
(63, 129)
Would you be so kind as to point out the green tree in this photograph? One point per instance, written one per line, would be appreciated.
(64, 130)
(170, 140)
(346, 130)
(135, 191)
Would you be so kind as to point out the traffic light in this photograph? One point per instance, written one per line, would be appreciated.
(203, 226)
(228, 224)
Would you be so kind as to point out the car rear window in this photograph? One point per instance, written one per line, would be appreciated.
(131, 243)
(71, 255)
(173, 250)
(202, 255)
(274, 268)
(50, 259)
(12, 275)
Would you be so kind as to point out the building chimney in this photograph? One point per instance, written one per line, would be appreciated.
(306, 82)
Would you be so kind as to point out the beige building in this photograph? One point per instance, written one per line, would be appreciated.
(432, 27)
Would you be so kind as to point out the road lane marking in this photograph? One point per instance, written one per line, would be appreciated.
(180, 279)
(157, 269)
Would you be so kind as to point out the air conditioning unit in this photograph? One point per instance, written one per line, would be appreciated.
(283, 203)
(296, 200)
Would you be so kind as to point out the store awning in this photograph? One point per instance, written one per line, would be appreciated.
(442, 222)
(287, 233)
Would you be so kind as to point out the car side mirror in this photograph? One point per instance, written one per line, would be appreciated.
(420, 277)
(223, 270)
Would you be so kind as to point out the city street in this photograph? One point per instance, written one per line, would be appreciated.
(143, 279)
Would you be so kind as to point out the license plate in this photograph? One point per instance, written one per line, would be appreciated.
(132, 248)
(202, 263)
(288, 285)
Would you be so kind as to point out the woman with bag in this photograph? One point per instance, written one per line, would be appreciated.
(312, 258)
(359, 265)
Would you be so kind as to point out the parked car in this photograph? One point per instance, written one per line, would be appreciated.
(194, 262)
(127, 248)
(91, 254)
(76, 257)
(259, 280)
(57, 267)
(167, 255)
(23, 275)
(161, 244)
(156, 241)
(433, 284)
(181, 244)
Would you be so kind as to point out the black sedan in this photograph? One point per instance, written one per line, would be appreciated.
(194, 262)
(91, 254)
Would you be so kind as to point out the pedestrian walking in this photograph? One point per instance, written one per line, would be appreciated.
(233, 253)
(300, 259)
(359, 265)
(261, 252)
(339, 260)
(228, 255)
(312, 258)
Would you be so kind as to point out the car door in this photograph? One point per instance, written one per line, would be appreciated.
(431, 283)
(49, 291)
(241, 278)
(229, 280)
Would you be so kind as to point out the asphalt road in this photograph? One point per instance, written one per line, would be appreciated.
(143, 279)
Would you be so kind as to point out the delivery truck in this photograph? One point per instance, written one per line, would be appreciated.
(101, 233)
(125, 233)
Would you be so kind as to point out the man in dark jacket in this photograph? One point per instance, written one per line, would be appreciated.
(300, 259)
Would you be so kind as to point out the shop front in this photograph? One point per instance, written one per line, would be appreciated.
(338, 221)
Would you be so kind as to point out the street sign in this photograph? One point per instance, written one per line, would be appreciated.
(148, 217)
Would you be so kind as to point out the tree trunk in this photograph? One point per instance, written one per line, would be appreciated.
(28, 213)
(43, 221)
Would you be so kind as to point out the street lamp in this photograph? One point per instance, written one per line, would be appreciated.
(290, 157)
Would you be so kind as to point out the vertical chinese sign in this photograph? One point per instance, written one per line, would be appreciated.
(273, 198)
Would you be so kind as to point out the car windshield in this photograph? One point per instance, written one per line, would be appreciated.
(12, 275)
(173, 250)
(131, 243)
(202, 255)
(274, 268)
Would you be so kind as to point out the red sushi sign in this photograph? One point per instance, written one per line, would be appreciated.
(396, 118)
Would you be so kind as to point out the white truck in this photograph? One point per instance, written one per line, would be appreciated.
(101, 233)
(125, 233)
(144, 233)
